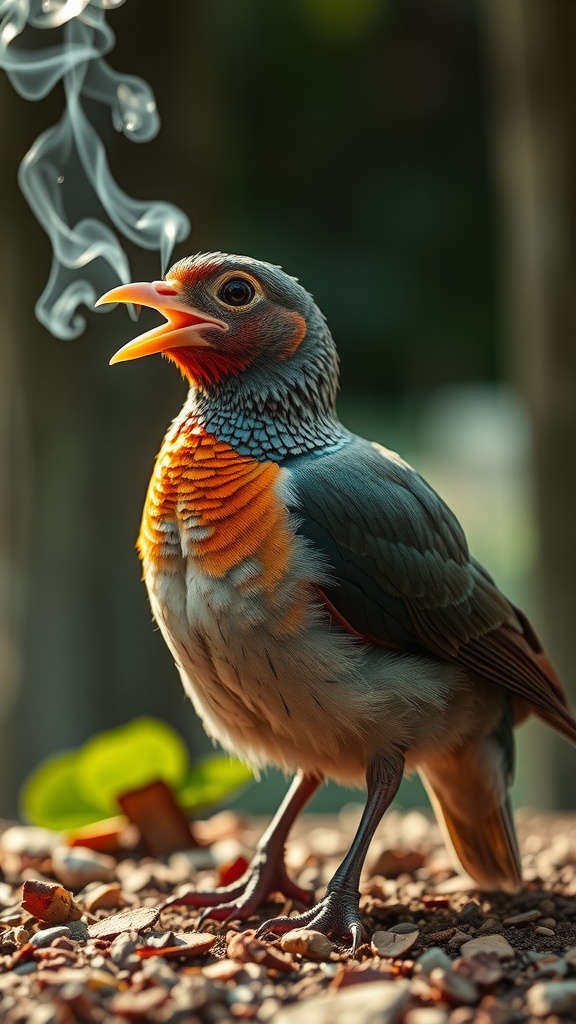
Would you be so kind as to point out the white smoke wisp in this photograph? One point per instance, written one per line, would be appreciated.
(68, 161)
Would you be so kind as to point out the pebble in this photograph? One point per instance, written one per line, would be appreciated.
(426, 1015)
(491, 926)
(307, 942)
(104, 897)
(431, 958)
(391, 944)
(541, 930)
(381, 1001)
(78, 865)
(488, 944)
(526, 918)
(123, 946)
(456, 989)
(547, 997)
(46, 936)
(29, 841)
(471, 913)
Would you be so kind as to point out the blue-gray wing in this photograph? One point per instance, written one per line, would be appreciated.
(402, 575)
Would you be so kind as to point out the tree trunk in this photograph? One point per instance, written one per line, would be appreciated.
(533, 74)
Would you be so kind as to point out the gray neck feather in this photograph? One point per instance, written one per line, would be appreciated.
(274, 411)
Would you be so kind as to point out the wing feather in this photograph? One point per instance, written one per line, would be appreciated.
(403, 576)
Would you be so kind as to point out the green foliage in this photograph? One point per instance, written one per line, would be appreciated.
(79, 787)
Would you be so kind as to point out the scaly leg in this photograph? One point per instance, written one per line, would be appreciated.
(337, 914)
(266, 872)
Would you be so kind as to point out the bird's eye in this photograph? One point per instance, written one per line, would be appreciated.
(237, 292)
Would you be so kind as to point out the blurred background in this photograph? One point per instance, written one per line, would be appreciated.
(413, 162)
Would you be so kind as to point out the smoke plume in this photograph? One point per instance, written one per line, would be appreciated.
(66, 168)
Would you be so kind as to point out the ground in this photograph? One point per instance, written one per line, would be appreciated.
(101, 951)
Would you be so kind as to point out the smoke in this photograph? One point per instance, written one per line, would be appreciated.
(66, 167)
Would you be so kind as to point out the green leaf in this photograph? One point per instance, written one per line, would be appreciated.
(50, 797)
(211, 780)
(127, 758)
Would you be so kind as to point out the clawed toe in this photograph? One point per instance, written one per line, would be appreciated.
(336, 916)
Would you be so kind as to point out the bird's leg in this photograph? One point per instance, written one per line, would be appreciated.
(266, 872)
(337, 914)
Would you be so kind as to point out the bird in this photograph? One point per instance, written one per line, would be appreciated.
(318, 596)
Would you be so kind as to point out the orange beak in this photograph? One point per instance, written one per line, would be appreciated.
(183, 323)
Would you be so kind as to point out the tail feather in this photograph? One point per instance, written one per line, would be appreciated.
(468, 792)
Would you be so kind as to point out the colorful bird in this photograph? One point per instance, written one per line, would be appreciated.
(318, 596)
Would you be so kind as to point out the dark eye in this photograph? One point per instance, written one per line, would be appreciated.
(237, 292)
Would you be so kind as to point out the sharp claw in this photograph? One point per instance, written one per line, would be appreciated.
(356, 932)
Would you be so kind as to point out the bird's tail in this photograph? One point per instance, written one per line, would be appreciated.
(468, 791)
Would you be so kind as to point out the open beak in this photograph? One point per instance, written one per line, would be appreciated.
(183, 323)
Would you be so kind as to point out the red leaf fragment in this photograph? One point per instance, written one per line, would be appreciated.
(232, 871)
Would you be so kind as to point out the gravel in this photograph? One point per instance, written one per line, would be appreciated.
(437, 951)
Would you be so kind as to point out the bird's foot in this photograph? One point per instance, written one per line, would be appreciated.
(241, 899)
(336, 915)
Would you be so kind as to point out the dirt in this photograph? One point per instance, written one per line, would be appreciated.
(436, 952)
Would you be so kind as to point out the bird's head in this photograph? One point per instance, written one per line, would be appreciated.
(234, 320)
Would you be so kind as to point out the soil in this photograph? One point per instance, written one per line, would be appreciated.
(102, 951)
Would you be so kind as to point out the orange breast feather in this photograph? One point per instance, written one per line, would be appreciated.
(228, 501)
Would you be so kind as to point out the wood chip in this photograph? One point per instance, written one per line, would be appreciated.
(135, 920)
(392, 944)
(49, 903)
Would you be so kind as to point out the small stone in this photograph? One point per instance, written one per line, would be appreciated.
(426, 1015)
(457, 939)
(78, 930)
(391, 944)
(77, 866)
(488, 944)
(403, 927)
(454, 988)
(123, 946)
(481, 968)
(104, 897)
(46, 936)
(222, 970)
(29, 841)
(491, 926)
(518, 919)
(246, 948)
(471, 913)
(21, 936)
(138, 1005)
(541, 930)
(430, 959)
(376, 1001)
(307, 942)
(547, 997)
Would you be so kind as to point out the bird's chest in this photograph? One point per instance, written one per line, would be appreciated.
(223, 570)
